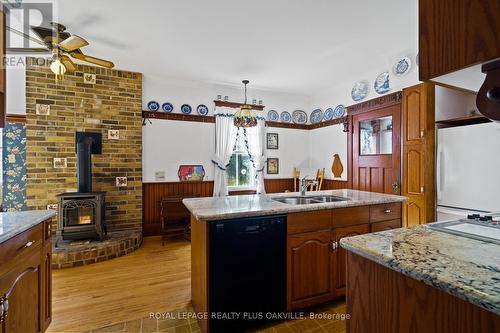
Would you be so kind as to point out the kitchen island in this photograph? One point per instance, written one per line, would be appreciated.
(25, 271)
(257, 253)
(426, 281)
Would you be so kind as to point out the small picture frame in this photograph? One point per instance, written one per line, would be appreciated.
(42, 109)
(273, 166)
(60, 162)
(89, 78)
(113, 134)
(272, 140)
(121, 181)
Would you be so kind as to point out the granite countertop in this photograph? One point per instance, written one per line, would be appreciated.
(463, 267)
(14, 223)
(217, 208)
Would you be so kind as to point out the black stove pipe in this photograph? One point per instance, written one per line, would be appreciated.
(84, 167)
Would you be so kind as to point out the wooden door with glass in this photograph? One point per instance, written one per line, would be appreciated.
(376, 149)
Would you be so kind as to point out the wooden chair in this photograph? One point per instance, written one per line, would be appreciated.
(320, 175)
(175, 218)
(296, 179)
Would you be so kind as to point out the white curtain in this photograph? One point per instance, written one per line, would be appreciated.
(225, 137)
(256, 137)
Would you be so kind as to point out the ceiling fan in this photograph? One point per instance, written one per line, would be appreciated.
(63, 46)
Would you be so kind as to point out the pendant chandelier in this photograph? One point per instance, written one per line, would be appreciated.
(245, 117)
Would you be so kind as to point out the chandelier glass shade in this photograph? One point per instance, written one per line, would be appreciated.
(245, 117)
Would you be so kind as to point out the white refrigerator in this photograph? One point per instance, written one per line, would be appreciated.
(468, 170)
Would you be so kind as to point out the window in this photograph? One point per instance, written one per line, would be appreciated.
(240, 171)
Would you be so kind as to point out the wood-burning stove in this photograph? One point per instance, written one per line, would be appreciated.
(81, 214)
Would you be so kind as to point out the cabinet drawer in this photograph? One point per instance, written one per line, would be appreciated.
(350, 216)
(309, 221)
(21, 243)
(384, 212)
(385, 225)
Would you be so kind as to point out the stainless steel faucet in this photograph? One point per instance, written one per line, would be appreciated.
(304, 183)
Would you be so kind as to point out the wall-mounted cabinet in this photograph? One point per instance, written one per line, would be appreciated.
(455, 34)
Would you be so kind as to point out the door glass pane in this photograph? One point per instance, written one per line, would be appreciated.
(375, 136)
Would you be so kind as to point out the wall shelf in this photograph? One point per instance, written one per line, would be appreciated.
(211, 119)
(463, 121)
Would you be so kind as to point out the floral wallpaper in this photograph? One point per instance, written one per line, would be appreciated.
(14, 167)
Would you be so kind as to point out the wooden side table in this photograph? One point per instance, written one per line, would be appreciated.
(175, 218)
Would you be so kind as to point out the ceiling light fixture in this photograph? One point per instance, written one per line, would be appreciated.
(245, 117)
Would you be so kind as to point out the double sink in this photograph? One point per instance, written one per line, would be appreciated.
(307, 200)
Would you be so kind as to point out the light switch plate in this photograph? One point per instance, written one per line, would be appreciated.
(160, 175)
(52, 207)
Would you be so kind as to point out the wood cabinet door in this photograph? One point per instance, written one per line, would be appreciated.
(338, 257)
(455, 34)
(418, 136)
(376, 151)
(309, 269)
(21, 289)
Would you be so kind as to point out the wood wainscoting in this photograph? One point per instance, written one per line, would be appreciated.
(154, 192)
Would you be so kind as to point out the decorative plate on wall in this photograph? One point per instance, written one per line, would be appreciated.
(186, 108)
(299, 117)
(316, 116)
(402, 66)
(202, 110)
(273, 115)
(328, 114)
(167, 107)
(381, 84)
(285, 117)
(360, 90)
(153, 106)
(339, 111)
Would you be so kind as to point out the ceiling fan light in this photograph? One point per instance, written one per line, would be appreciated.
(57, 67)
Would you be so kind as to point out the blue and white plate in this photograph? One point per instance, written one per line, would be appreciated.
(381, 84)
(186, 108)
(360, 90)
(273, 115)
(328, 115)
(202, 110)
(153, 106)
(167, 107)
(339, 111)
(285, 117)
(299, 117)
(402, 66)
(316, 116)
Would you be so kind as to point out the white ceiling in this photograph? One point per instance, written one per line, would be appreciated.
(296, 46)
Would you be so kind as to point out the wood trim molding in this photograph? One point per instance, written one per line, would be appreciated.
(177, 116)
(236, 105)
(287, 125)
(211, 119)
(376, 103)
(16, 118)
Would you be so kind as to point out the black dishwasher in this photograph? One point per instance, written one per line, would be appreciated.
(247, 272)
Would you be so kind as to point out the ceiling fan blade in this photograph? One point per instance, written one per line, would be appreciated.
(22, 34)
(49, 36)
(68, 63)
(92, 60)
(73, 43)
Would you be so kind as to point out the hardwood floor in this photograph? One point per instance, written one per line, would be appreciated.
(118, 295)
(150, 279)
